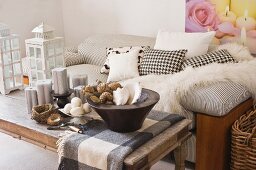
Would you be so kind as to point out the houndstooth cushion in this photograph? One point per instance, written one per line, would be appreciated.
(161, 61)
(219, 56)
(105, 69)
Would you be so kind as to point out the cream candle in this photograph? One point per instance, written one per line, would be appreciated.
(44, 91)
(78, 80)
(243, 36)
(220, 5)
(239, 6)
(228, 16)
(60, 81)
(31, 98)
(245, 21)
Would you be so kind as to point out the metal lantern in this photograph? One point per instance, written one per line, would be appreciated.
(11, 77)
(44, 52)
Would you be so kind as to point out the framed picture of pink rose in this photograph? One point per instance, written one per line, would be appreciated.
(233, 20)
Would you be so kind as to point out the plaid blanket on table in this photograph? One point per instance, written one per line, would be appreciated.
(101, 148)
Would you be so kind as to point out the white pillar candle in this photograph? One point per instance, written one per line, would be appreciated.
(44, 91)
(245, 21)
(79, 80)
(31, 98)
(228, 16)
(78, 93)
(60, 81)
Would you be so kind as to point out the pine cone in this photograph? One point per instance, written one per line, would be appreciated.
(106, 96)
(114, 86)
(103, 87)
(89, 89)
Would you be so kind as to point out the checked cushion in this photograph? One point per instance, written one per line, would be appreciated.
(161, 61)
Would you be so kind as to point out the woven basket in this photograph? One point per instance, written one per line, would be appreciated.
(243, 152)
(41, 113)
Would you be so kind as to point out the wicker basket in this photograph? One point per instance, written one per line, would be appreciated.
(243, 152)
(41, 113)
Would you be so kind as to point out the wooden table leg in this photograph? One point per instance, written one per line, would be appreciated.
(180, 154)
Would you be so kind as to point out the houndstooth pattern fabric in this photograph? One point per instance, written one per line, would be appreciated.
(73, 59)
(161, 61)
(219, 56)
(106, 67)
(94, 47)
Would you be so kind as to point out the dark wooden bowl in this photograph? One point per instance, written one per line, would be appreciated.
(127, 118)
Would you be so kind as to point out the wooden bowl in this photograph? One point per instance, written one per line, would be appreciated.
(127, 118)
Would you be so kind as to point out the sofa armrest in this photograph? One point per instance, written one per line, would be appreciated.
(216, 99)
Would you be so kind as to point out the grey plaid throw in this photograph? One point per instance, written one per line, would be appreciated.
(101, 148)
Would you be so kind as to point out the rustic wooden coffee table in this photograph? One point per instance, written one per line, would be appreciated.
(15, 121)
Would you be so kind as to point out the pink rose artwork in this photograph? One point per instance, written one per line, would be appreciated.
(201, 16)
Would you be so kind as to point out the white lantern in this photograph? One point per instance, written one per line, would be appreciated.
(44, 52)
(11, 71)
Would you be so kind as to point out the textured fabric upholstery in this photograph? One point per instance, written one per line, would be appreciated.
(94, 47)
(92, 71)
(216, 99)
(71, 59)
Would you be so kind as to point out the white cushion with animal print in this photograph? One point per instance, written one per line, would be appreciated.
(120, 50)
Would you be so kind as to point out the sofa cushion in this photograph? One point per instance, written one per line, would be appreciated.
(92, 71)
(219, 56)
(215, 99)
(94, 47)
(161, 61)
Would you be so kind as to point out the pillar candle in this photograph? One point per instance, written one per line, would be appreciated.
(220, 5)
(245, 21)
(239, 6)
(31, 98)
(44, 91)
(60, 81)
(78, 93)
(228, 16)
(78, 80)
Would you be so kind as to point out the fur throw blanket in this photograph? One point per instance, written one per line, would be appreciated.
(173, 87)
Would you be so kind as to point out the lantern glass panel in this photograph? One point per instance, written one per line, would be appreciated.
(50, 63)
(9, 83)
(50, 48)
(18, 81)
(38, 52)
(39, 64)
(48, 75)
(15, 43)
(32, 63)
(6, 45)
(31, 52)
(15, 56)
(8, 71)
(40, 76)
(7, 58)
(59, 48)
(33, 76)
(59, 61)
(17, 69)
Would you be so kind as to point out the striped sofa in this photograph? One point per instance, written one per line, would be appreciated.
(216, 100)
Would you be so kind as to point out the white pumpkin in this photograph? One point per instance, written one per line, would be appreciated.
(135, 91)
(76, 102)
(120, 96)
(87, 108)
(67, 108)
(77, 111)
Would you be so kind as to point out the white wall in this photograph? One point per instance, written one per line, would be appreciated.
(138, 17)
(23, 15)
